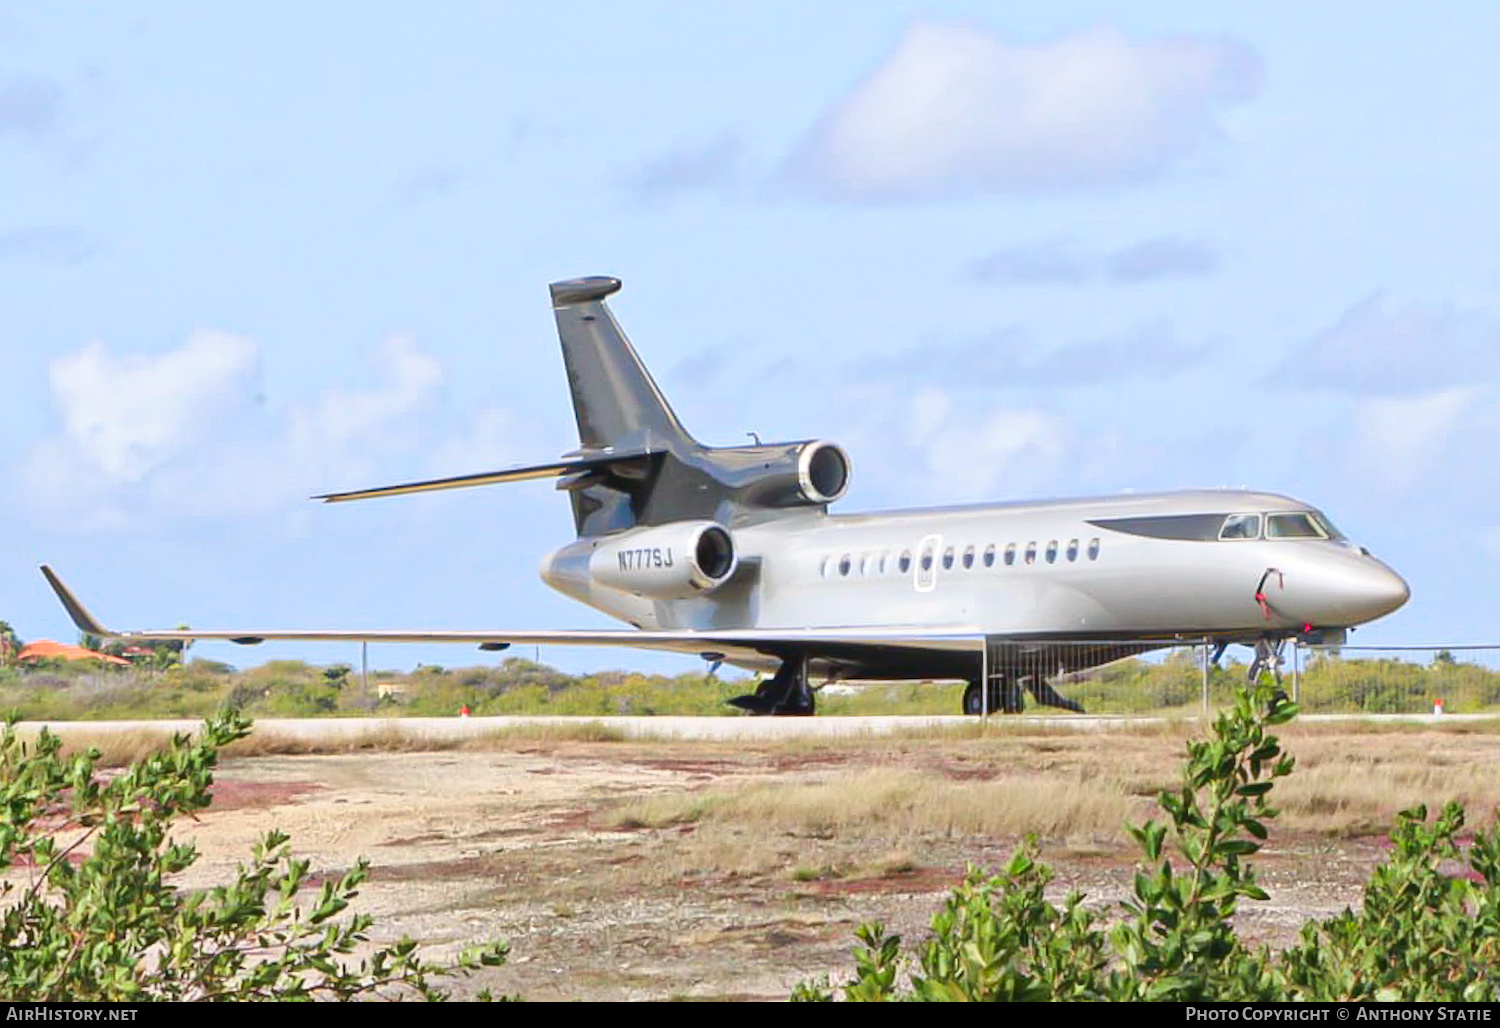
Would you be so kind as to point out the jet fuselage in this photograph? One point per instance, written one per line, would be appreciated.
(1157, 565)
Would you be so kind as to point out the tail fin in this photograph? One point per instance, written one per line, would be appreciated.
(616, 403)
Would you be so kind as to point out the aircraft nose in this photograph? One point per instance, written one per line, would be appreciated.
(1390, 593)
(1342, 589)
(1367, 591)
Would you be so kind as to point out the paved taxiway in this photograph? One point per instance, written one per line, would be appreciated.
(446, 729)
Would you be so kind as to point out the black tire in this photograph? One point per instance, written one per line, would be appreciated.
(971, 704)
(999, 695)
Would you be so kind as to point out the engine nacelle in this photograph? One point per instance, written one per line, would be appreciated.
(822, 472)
(667, 562)
(784, 474)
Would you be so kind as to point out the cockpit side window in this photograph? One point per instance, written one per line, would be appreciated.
(1292, 526)
(1321, 520)
(1241, 526)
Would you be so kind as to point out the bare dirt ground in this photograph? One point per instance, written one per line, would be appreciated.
(648, 870)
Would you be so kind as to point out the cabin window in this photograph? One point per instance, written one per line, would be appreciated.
(844, 565)
(1052, 551)
(989, 555)
(1072, 550)
(927, 560)
(968, 556)
(905, 563)
(948, 559)
(827, 567)
(883, 556)
(1031, 553)
(1241, 526)
(1094, 548)
(1010, 554)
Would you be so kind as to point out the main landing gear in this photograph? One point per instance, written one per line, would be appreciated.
(1005, 698)
(1008, 697)
(786, 693)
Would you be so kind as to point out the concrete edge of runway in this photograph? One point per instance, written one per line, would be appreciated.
(449, 729)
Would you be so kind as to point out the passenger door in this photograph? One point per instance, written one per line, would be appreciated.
(925, 568)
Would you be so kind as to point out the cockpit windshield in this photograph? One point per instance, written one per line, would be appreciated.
(1292, 526)
(1329, 530)
(1241, 526)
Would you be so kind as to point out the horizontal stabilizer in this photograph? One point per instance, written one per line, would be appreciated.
(554, 469)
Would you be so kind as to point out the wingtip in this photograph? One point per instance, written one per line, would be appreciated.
(84, 621)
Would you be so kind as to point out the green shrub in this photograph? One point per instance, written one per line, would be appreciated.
(90, 913)
(1423, 933)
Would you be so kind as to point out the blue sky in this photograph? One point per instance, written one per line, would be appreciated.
(249, 253)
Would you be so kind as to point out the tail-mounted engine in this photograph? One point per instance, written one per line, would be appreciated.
(702, 483)
(782, 474)
(668, 562)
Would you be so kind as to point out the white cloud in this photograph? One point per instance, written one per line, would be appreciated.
(999, 452)
(956, 111)
(929, 448)
(162, 436)
(341, 418)
(339, 440)
(125, 416)
(492, 439)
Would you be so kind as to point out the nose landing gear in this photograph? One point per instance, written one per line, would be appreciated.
(1267, 658)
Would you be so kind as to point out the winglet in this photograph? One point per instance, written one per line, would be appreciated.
(80, 615)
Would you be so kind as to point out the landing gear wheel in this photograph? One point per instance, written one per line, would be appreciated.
(1005, 698)
(972, 705)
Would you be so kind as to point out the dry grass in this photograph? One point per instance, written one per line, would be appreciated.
(578, 731)
(662, 810)
(899, 802)
(393, 739)
(1006, 780)
(1355, 785)
(118, 748)
(377, 738)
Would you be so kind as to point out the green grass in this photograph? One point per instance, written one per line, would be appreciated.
(290, 688)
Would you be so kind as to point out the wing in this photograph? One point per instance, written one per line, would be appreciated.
(852, 649)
